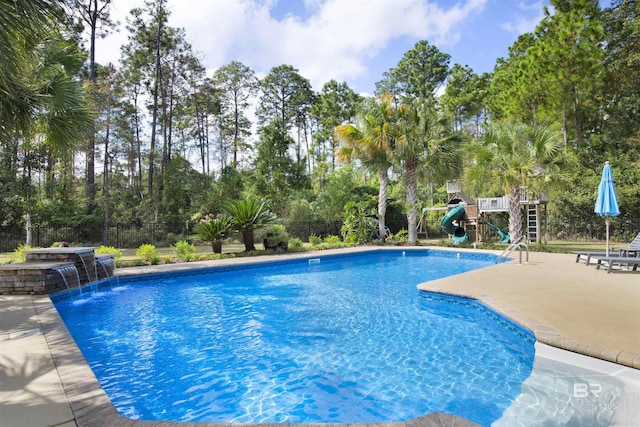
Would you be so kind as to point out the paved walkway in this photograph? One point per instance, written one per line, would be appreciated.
(44, 380)
(31, 392)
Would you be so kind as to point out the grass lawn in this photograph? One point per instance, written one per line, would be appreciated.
(562, 246)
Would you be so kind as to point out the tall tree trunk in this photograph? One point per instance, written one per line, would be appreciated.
(29, 237)
(137, 148)
(206, 141)
(169, 117)
(516, 229)
(411, 189)
(221, 143)
(164, 120)
(49, 175)
(306, 144)
(565, 136)
(200, 129)
(334, 145)
(154, 120)
(91, 149)
(576, 115)
(107, 200)
(382, 202)
(236, 132)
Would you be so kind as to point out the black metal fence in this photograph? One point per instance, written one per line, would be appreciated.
(158, 234)
(118, 235)
(132, 236)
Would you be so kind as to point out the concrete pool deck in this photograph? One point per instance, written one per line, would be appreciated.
(45, 381)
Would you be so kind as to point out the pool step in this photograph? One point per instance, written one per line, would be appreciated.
(560, 395)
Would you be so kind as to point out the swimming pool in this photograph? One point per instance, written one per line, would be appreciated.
(330, 339)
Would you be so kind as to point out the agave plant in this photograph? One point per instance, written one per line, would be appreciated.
(247, 216)
(214, 231)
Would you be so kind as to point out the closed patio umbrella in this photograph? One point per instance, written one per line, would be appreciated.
(607, 202)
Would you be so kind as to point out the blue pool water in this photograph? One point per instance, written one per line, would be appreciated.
(342, 339)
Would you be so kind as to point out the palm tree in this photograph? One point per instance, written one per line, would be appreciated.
(61, 115)
(370, 141)
(54, 115)
(427, 150)
(513, 155)
(247, 216)
(25, 23)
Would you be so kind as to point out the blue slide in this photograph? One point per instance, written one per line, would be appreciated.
(458, 235)
(504, 236)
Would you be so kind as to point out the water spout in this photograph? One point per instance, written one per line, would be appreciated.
(111, 264)
(88, 259)
(64, 271)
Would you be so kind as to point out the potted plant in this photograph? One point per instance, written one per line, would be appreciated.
(214, 231)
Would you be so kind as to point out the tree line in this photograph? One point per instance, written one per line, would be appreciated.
(157, 138)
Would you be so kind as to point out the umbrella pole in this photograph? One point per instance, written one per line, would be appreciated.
(606, 221)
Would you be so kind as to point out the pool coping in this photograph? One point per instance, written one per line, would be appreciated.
(92, 407)
(544, 333)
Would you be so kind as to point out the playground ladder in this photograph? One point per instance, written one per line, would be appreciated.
(503, 256)
(532, 223)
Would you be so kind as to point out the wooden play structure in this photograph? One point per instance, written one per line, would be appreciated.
(463, 224)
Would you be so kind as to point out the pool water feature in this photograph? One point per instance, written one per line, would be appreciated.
(343, 339)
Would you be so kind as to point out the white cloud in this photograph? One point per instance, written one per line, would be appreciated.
(335, 42)
(534, 11)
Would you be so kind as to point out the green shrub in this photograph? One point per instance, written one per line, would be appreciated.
(184, 250)
(401, 236)
(351, 238)
(330, 242)
(148, 253)
(19, 255)
(315, 240)
(358, 221)
(332, 239)
(296, 245)
(167, 259)
(276, 237)
(117, 253)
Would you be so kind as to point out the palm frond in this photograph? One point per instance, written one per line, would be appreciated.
(249, 214)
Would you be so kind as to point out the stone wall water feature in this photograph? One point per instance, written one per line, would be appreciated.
(41, 273)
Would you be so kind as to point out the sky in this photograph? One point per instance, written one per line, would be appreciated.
(354, 41)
